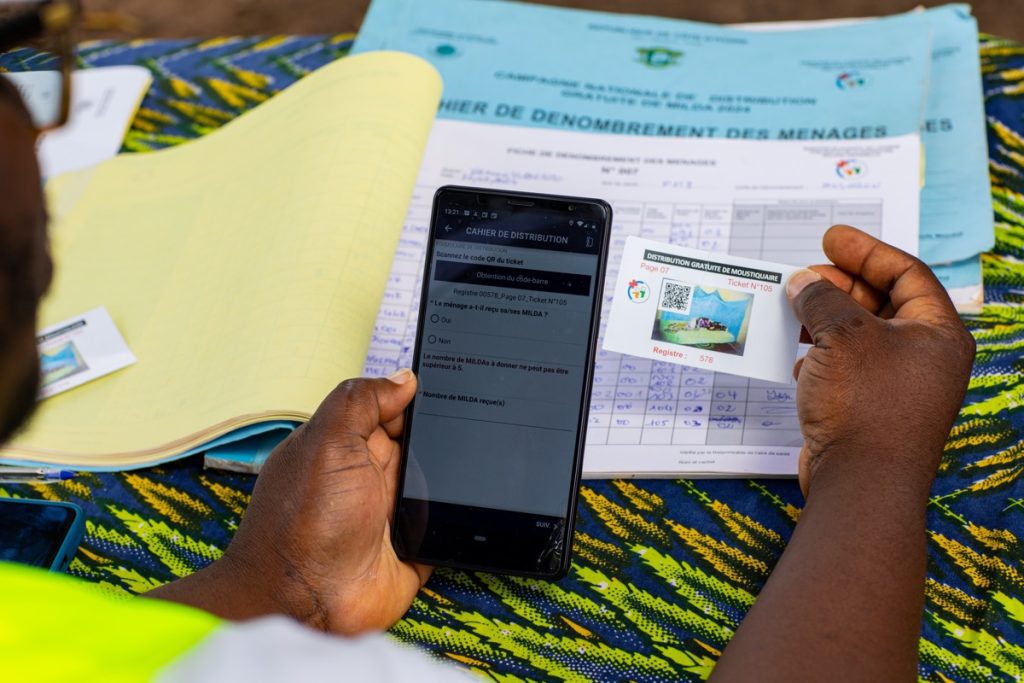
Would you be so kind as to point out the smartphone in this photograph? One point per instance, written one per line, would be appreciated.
(493, 440)
(40, 533)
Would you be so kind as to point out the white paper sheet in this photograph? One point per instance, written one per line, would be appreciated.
(705, 310)
(79, 350)
(103, 103)
(768, 200)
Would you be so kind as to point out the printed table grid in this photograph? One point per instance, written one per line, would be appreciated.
(646, 402)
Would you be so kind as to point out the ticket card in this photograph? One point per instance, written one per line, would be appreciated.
(703, 309)
(80, 350)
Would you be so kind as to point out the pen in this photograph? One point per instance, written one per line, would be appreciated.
(26, 475)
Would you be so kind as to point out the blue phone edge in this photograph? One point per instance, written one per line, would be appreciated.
(72, 539)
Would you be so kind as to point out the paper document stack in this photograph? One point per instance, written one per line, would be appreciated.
(696, 135)
(666, 78)
(244, 270)
(956, 212)
(251, 270)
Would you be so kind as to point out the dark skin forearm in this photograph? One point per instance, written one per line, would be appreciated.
(315, 542)
(877, 394)
(845, 600)
(226, 589)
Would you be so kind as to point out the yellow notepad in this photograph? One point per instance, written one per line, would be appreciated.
(244, 269)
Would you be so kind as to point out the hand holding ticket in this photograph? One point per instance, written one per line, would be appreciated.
(703, 309)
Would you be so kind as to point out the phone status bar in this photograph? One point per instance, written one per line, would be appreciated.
(457, 213)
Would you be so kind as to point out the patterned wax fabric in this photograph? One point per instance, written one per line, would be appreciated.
(663, 570)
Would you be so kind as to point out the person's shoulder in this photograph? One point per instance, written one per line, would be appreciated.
(96, 633)
(279, 649)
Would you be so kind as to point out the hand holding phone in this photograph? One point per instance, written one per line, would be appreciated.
(314, 543)
(504, 355)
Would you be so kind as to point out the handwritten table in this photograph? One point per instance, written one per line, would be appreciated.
(664, 570)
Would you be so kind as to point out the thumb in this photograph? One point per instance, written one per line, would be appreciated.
(819, 305)
(359, 406)
(395, 394)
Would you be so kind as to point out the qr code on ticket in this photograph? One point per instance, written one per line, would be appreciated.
(676, 296)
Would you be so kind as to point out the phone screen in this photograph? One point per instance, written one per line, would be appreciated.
(505, 354)
(33, 533)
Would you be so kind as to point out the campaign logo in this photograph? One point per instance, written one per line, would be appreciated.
(851, 80)
(658, 57)
(851, 168)
(638, 291)
(446, 50)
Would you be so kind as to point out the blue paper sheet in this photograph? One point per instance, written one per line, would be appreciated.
(962, 279)
(247, 455)
(508, 62)
(956, 202)
(965, 273)
(239, 435)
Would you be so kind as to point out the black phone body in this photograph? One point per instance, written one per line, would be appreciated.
(505, 344)
(40, 533)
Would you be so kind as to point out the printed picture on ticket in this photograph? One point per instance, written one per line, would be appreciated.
(711, 318)
(79, 350)
(703, 309)
(59, 361)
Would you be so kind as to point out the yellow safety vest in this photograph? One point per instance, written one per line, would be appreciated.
(57, 628)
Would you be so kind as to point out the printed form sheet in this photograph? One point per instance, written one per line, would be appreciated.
(768, 200)
(595, 71)
(651, 76)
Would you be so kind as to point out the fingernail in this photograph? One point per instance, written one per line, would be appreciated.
(798, 280)
(402, 376)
